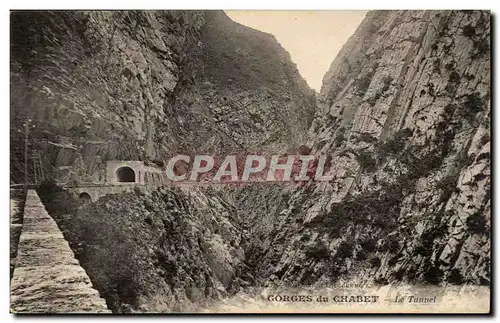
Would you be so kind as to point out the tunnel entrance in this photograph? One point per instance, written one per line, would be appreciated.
(125, 174)
(85, 198)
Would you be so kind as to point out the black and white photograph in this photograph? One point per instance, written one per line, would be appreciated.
(250, 161)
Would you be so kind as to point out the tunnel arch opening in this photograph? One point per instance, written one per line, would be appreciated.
(85, 198)
(125, 175)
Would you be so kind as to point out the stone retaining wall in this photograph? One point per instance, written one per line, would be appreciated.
(47, 276)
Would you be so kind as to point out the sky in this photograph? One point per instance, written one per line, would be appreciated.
(313, 38)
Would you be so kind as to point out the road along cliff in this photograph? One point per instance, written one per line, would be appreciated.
(147, 85)
(403, 118)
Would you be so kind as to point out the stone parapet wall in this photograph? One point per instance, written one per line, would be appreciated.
(47, 276)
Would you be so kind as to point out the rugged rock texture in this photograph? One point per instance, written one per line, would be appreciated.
(94, 82)
(17, 201)
(131, 85)
(405, 114)
(143, 86)
(252, 88)
(156, 252)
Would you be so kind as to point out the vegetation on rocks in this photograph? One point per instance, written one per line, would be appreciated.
(158, 251)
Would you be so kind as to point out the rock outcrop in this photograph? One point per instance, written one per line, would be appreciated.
(159, 251)
(145, 85)
(404, 113)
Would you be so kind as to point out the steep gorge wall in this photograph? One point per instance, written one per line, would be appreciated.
(94, 83)
(405, 114)
(253, 90)
(160, 251)
(145, 85)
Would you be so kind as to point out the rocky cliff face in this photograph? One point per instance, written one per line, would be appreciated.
(405, 114)
(145, 86)
(133, 85)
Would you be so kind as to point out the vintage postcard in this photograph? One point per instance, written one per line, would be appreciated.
(168, 161)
